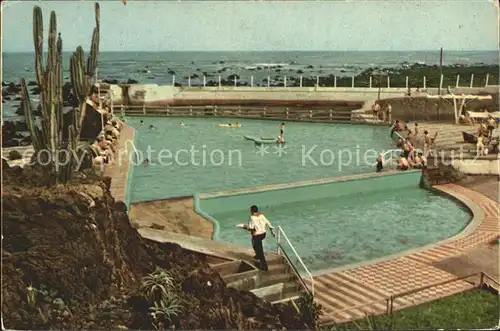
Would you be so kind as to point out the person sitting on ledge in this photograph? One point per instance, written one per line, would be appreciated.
(420, 161)
(465, 119)
(403, 164)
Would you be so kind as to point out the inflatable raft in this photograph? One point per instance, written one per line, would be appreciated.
(260, 141)
(230, 125)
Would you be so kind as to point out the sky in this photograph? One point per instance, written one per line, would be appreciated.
(365, 25)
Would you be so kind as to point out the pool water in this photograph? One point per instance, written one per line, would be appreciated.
(351, 228)
(225, 160)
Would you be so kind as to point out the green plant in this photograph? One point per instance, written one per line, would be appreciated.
(167, 308)
(157, 285)
(59, 162)
(31, 295)
(48, 294)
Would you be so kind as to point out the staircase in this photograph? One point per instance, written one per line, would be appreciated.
(279, 284)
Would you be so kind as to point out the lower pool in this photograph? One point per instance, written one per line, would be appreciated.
(200, 157)
(357, 221)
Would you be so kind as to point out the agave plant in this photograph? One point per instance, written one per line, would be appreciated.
(158, 283)
(31, 293)
(168, 307)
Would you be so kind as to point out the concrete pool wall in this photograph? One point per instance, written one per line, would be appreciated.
(237, 200)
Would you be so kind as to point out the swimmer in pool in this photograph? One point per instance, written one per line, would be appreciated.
(142, 122)
(182, 124)
(282, 131)
(152, 127)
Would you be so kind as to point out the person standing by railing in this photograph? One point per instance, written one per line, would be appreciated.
(380, 163)
(257, 226)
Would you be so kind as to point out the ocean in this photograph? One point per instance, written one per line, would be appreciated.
(160, 67)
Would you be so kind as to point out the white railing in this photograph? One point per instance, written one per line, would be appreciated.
(383, 82)
(388, 156)
(281, 232)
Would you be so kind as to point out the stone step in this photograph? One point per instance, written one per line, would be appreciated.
(267, 278)
(280, 291)
(292, 298)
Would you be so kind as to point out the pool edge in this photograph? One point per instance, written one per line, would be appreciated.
(199, 211)
(478, 216)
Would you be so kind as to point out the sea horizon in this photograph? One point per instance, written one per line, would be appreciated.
(276, 51)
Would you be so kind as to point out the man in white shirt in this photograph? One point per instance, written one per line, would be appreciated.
(257, 226)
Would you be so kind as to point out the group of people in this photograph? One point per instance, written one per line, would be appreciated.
(411, 157)
(485, 134)
(103, 149)
(386, 112)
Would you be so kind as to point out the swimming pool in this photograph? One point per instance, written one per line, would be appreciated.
(344, 222)
(223, 159)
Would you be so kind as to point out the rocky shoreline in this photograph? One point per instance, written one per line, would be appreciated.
(14, 132)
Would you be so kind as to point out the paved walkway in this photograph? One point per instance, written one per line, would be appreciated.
(353, 293)
(118, 171)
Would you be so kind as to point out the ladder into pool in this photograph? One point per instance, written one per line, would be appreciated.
(281, 251)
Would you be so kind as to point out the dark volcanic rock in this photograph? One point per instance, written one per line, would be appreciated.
(12, 88)
(15, 155)
(110, 81)
(15, 126)
(74, 244)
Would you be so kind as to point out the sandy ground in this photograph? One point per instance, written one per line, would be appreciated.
(173, 215)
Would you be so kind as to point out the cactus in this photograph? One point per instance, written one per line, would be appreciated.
(81, 74)
(48, 137)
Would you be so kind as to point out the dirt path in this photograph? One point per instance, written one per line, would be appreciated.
(173, 215)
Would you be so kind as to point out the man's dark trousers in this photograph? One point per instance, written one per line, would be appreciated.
(259, 250)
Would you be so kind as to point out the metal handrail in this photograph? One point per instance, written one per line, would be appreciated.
(282, 232)
(301, 279)
(391, 151)
(393, 297)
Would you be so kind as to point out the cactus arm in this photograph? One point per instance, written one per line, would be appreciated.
(28, 113)
(38, 44)
(94, 50)
(97, 11)
(59, 86)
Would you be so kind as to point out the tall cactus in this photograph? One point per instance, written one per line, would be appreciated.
(48, 137)
(82, 73)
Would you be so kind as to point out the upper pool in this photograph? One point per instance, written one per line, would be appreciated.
(200, 157)
(343, 222)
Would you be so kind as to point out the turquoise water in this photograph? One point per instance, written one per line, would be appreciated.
(225, 160)
(349, 227)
